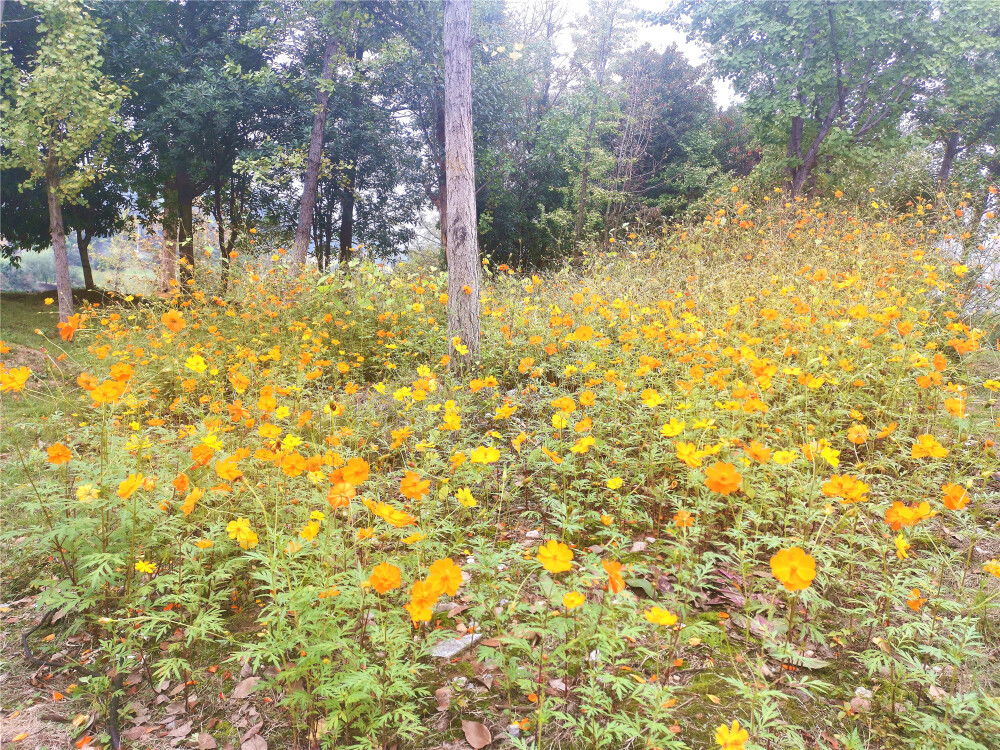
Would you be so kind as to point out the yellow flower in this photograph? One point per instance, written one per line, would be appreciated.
(689, 454)
(901, 547)
(660, 616)
(993, 568)
(614, 483)
(484, 455)
(86, 493)
(784, 457)
(573, 599)
(732, 738)
(555, 556)
(465, 498)
(651, 398)
(196, 363)
(240, 531)
(673, 428)
(583, 445)
(145, 567)
(128, 486)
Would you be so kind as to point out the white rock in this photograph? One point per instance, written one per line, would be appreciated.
(452, 647)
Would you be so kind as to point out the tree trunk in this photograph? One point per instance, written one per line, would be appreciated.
(168, 247)
(83, 245)
(310, 180)
(64, 288)
(441, 199)
(796, 176)
(347, 214)
(951, 149)
(185, 226)
(462, 250)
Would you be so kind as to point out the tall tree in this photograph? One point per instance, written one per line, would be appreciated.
(202, 95)
(310, 179)
(818, 67)
(463, 247)
(57, 111)
(605, 13)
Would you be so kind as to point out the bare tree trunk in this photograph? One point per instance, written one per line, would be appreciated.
(951, 149)
(64, 288)
(185, 226)
(168, 247)
(83, 245)
(311, 178)
(462, 250)
(346, 235)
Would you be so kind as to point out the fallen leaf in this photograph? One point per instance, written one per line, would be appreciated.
(19, 737)
(182, 731)
(713, 698)
(443, 696)
(255, 729)
(206, 741)
(245, 687)
(476, 734)
(254, 743)
(84, 741)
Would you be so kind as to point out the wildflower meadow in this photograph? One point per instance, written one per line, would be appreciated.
(730, 485)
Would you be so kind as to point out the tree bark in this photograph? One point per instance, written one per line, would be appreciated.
(462, 250)
(347, 214)
(83, 245)
(185, 226)
(951, 149)
(168, 247)
(64, 287)
(310, 179)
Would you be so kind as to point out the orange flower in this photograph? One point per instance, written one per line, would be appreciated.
(181, 483)
(555, 556)
(121, 372)
(849, 489)
(59, 454)
(385, 577)
(857, 433)
(413, 487)
(683, 519)
(955, 496)
(191, 500)
(173, 320)
(201, 454)
(355, 471)
(108, 392)
(423, 596)
(758, 452)
(614, 570)
(228, 470)
(293, 464)
(900, 515)
(392, 516)
(927, 446)
(722, 478)
(447, 575)
(556, 458)
(341, 494)
(955, 407)
(794, 568)
(887, 430)
(67, 329)
(915, 602)
(14, 379)
(128, 486)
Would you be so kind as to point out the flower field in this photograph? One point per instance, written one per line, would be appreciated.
(735, 486)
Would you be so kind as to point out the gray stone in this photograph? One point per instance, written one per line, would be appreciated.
(449, 648)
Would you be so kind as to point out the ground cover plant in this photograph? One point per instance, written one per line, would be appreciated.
(733, 486)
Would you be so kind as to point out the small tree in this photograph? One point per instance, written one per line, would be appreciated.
(54, 113)
(460, 169)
